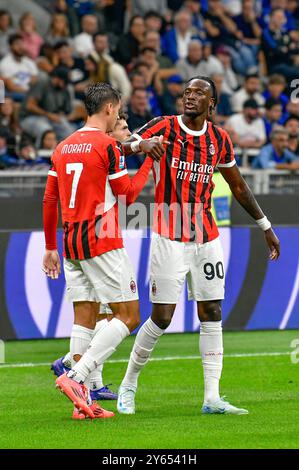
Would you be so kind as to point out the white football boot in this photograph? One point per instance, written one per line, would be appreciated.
(126, 400)
(222, 407)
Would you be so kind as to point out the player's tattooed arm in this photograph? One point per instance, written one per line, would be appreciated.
(246, 199)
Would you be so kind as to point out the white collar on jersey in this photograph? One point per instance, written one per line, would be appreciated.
(86, 128)
(190, 131)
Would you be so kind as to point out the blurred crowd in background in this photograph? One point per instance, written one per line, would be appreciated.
(148, 49)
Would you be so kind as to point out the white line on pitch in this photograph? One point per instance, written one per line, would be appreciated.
(153, 359)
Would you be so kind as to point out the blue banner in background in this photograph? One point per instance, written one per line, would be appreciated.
(259, 294)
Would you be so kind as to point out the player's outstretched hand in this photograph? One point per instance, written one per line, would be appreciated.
(273, 244)
(154, 147)
(51, 264)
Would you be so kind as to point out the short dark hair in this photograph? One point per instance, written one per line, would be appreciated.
(98, 95)
(152, 14)
(6, 13)
(14, 37)
(270, 102)
(147, 49)
(98, 33)
(293, 117)
(138, 89)
(251, 75)
(122, 115)
(211, 83)
(61, 44)
(140, 64)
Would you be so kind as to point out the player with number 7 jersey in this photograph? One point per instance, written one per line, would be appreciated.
(88, 174)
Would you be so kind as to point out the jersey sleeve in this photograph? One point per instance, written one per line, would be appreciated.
(155, 127)
(130, 188)
(116, 161)
(50, 209)
(227, 154)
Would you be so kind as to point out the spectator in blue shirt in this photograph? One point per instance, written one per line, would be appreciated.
(290, 24)
(273, 115)
(275, 90)
(276, 154)
(279, 46)
(247, 23)
(223, 108)
(195, 7)
(175, 41)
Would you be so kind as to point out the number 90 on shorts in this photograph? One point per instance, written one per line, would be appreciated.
(173, 262)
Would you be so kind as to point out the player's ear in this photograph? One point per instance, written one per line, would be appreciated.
(212, 105)
(109, 108)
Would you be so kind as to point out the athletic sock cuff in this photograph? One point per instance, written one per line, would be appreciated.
(121, 327)
(79, 331)
(153, 328)
(210, 327)
(101, 324)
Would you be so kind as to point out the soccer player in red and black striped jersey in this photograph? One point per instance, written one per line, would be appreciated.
(185, 242)
(88, 173)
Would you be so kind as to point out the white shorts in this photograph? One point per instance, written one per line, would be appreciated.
(106, 278)
(172, 262)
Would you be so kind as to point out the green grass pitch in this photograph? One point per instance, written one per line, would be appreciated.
(34, 415)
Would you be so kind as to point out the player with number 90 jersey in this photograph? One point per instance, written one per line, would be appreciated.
(183, 177)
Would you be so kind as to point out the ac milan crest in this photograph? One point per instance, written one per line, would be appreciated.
(154, 288)
(212, 149)
(133, 286)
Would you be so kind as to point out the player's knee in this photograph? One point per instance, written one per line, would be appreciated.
(163, 322)
(162, 315)
(85, 314)
(128, 313)
(209, 311)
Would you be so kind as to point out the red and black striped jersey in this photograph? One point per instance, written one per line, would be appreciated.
(183, 177)
(88, 173)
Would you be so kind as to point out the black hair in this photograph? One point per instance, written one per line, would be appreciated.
(134, 17)
(140, 64)
(61, 44)
(99, 33)
(152, 14)
(98, 95)
(138, 89)
(270, 102)
(291, 118)
(147, 49)
(45, 133)
(122, 115)
(212, 85)
(6, 13)
(14, 37)
(251, 75)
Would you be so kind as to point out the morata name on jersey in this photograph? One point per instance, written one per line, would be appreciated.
(192, 171)
(77, 148)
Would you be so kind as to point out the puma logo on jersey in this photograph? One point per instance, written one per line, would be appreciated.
(183, 143)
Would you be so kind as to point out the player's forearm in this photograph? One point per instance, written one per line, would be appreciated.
(127, 147)
(50, 213)
(131, 188)
(246, 199)
(50, 221)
